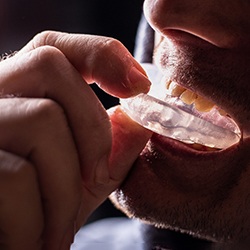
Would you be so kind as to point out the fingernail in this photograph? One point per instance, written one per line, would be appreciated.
(139, 81)
(101, 171)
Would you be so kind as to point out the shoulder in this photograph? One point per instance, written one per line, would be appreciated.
(108, 234)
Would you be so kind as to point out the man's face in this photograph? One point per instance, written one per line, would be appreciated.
(204, 46)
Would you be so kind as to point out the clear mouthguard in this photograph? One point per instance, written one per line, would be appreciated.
(169, 116)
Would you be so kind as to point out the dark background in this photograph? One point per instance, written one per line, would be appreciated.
(20, 20)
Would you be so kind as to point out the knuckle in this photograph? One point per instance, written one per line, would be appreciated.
(110, 56)
(41, 117)
(44, 38)
(48, 111)
(110, 45)
(14, 170)
(48, 58)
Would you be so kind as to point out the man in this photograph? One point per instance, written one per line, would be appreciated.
(58, 150)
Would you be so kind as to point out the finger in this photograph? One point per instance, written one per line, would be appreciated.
(129, 139)
(44, 137)
(62, 83)
(46, 72)
(99, 59)
(21, 215)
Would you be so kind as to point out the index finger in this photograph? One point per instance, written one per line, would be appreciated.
(99, 59)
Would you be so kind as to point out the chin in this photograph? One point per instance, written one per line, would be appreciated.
(173, 186)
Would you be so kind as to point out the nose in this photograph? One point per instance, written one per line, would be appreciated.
(210, 20)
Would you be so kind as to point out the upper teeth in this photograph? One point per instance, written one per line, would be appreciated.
(189, 97)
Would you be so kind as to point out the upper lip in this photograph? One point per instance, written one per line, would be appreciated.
(182, 36)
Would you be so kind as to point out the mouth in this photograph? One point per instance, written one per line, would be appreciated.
(174, 111)
(195, 162)
(203, 108)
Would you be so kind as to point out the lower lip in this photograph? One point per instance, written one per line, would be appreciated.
(187, 168)
(168, 145)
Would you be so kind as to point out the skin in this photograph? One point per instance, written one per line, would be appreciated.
(51, 123)
(49, 109)
(173, 186)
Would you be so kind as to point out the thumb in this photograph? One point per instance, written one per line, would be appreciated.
(129, 139)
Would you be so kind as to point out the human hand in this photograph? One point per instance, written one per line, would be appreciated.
(60, 149)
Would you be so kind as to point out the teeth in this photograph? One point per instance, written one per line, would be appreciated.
(189, 97)
(222, 112)
(168, 82)
(203, 105)
(175, 89)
